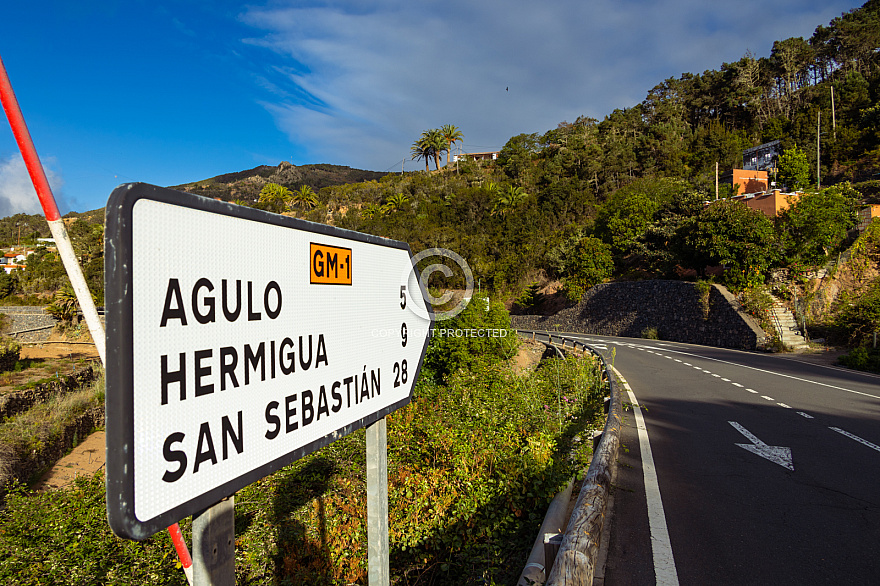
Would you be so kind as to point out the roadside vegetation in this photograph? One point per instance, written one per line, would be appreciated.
(474, 461)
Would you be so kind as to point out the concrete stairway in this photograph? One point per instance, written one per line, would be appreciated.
(786, 326)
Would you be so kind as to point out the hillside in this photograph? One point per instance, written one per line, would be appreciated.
(246, 185)
(625, 197)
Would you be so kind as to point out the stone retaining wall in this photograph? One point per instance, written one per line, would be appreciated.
(674, 308)
(26, 469)
(27, 318)
(20, 401)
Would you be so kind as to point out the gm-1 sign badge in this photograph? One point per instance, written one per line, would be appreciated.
(239, 341)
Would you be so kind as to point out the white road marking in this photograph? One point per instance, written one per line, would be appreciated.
(737, 385)
(805, 380)
(752, 391)
(777, 454)
(727, 380)
(807, 415)
(855, 437)
(677, 360)
(715, 375)
(664, 562)
(768, 398)
(687, 363)
(784, 405)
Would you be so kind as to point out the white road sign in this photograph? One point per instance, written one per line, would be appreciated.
(239, 341)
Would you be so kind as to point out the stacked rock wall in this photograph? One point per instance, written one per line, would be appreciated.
(674, 308)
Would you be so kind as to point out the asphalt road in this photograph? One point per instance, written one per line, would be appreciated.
(768, 469)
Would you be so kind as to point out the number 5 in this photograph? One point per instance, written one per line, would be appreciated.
(403, 297)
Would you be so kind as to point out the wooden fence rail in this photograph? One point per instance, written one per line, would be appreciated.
(575, 564)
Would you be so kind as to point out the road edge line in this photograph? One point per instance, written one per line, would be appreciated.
(664, 561)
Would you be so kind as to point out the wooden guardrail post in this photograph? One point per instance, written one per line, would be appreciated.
(576, 562)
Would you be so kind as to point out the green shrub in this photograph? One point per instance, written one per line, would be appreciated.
(62, 537)
(858, 318)
(733, 235)
(862, 359)
(651, 334)
(817, 223)
(758, 303)
(10, 351)
(530, 297)
(454, 344)
(588, 264)
(64, 305)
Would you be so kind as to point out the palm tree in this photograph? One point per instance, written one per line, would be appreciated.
(305, 197)
(451, 134)
(508, 200)
(492, 188)
(396, 202)
(420, 152)
(430, 144)
(370, 210)
(276, 197)
(435, 140)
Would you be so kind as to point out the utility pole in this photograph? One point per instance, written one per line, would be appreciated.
(818, 167)
(716, 180)
(833, 114)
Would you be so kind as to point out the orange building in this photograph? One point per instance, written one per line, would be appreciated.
(771, 203)
(749, 181)
(867, 214)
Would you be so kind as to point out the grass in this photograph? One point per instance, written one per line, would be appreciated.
(30, 431)
(30, 372)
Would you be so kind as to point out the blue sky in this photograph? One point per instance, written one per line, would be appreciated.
(176, 91)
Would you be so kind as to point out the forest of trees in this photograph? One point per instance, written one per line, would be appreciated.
(637, 180)
(623, 197)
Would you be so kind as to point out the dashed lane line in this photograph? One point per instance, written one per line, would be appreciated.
(801, 413)
(855, 437)
(797, 378)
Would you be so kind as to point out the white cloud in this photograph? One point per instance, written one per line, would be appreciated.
(364, 82)
(17, 193)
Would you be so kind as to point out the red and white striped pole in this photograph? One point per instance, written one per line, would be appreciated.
(65, 250)
(50, 208)
(182, 551)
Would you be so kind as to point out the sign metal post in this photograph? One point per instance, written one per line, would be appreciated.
(377, 504)
(214, 545)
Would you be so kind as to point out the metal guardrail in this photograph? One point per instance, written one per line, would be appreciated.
(575, 562)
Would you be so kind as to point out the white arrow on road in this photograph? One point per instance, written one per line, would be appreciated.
(777, 454)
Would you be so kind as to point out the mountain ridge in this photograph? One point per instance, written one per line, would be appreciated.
(246, 185)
